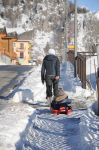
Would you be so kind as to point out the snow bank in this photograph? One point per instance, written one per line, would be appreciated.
(32, 90)
(13, 121)
(89, 127)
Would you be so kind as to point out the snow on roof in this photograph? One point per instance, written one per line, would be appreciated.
(19, 30)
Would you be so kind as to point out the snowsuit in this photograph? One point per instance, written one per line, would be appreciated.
(50, 69)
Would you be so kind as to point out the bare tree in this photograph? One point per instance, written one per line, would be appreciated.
(92, 32)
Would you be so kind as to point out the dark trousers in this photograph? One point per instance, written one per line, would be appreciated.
(51, 86)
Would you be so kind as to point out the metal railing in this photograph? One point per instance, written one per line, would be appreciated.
(81, 65)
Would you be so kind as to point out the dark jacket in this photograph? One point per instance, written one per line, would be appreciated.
(50, 66)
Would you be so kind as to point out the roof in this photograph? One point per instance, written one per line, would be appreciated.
(23, 41)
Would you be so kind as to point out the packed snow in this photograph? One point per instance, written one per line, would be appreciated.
(27, 124)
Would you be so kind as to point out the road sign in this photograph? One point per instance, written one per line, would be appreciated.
(71, 46)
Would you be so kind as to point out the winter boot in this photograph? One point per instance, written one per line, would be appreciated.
(49, 100)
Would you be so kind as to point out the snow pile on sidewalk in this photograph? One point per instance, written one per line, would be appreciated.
(13, 121)
(89, 127)
(32, 90)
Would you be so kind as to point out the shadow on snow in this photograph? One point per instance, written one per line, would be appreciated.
(47, 131)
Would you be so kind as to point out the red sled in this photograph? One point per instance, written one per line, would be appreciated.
(62, 110)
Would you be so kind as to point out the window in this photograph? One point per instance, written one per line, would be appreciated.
(21, 55)
(21, 45)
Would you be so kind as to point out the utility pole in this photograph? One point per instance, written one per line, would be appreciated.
(66, 32)
(97, 47)
(75, 38)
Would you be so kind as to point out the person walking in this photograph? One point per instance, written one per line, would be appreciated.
(50, 73)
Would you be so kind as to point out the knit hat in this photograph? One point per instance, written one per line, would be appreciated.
(51, 51)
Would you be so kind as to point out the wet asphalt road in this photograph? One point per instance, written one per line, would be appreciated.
(11, 76)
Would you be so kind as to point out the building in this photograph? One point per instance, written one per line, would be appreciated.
(7, 54)
(23, 50)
